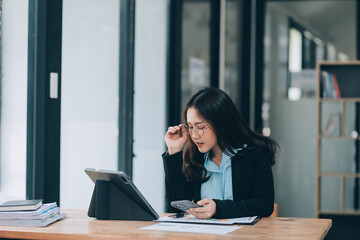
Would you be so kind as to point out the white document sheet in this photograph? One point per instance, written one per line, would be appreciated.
(192, 228)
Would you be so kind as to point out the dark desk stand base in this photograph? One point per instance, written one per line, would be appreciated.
(108, 202)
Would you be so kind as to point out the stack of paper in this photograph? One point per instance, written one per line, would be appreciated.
(40, 217)
(191, 219)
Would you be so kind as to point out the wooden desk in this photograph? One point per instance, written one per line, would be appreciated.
(79, 226)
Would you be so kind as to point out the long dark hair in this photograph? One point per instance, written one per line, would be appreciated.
(216, 107)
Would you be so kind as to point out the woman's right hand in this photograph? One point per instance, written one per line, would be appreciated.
(175, 138)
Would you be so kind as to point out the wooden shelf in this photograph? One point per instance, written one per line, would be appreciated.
(339, 137)
(336, 63)
(338, 100)
(339, 212)
(348, 82)
(339, 174)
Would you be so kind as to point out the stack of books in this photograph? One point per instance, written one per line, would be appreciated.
(32, 213)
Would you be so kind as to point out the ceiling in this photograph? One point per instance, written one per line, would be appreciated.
(334, 21)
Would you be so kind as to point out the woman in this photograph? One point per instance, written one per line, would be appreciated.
(216, 160)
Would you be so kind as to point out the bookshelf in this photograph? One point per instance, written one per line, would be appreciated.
(337, 138)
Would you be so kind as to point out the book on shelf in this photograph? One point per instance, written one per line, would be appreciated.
(330, 85)
(332, 125)
(20, 205)
(43, 216)
(336, 86)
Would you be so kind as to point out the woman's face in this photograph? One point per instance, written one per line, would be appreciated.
(197, 127)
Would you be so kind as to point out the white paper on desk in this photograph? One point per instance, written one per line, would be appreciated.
(192, 228)
(192, 219)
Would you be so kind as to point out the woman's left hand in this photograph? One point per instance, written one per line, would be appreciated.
(207, 211)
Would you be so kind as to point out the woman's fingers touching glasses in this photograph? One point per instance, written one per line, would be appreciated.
(175, 138)
(172, 130)
(180, 130)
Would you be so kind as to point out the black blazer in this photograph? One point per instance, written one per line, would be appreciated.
(252, 180)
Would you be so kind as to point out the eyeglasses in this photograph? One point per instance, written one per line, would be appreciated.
(198, 130)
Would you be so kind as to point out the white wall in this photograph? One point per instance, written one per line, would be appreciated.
(150, 104)
(13, 97)
(89, 107)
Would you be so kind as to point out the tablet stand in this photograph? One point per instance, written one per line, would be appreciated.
(108, 202)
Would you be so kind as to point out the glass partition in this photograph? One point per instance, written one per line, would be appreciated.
(195, 48)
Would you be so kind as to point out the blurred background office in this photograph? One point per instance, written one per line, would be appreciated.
(96, 83)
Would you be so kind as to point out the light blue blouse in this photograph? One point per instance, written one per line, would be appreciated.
(219, 185)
